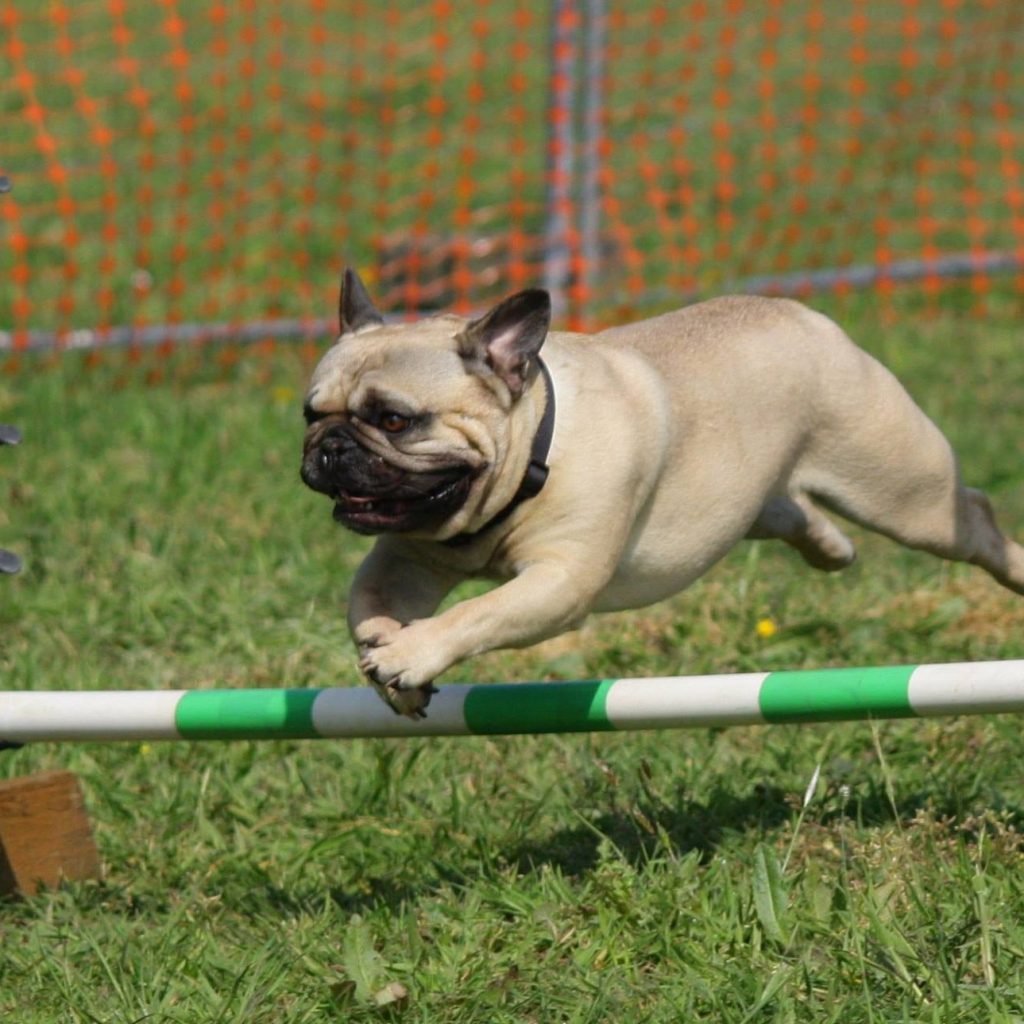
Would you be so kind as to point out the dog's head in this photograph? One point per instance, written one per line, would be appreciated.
(414, 428)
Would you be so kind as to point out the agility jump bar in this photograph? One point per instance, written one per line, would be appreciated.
(604, 705)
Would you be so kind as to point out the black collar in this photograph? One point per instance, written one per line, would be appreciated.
(536, 472)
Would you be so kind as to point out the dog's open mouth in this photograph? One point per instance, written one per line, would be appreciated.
(416, 504)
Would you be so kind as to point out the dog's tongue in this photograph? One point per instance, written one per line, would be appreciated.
(361, 504)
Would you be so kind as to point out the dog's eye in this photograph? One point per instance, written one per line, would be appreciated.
(394, 422)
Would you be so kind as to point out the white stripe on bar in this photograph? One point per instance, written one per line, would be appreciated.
(667, 702)
(973, 688)
(56, 715)
(342, 712)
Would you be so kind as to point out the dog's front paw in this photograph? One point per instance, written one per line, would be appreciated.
(411, 703)
(394, 662)
(375, 631)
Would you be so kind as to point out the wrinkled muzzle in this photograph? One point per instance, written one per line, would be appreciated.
(372, 495)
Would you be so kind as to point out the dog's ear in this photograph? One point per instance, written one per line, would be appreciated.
(505, 339)
(355, 307)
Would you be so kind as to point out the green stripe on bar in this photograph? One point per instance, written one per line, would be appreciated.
(246, 714)
(836, 694)
(538, 707)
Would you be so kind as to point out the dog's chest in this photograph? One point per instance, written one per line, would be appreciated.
(639, 582)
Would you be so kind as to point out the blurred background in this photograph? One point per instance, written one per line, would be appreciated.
(181, 171)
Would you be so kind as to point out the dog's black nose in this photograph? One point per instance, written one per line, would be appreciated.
(317, 469)
(331, 460)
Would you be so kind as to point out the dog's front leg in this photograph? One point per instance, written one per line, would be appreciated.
(388, 592)
(545, 599)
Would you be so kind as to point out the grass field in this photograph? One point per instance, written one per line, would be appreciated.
(659, 877)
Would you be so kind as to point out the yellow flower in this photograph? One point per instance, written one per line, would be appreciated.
(283, 395)
(145, 749)
(766, 628)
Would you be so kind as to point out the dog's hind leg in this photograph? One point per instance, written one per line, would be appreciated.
(960, 525)
(911, 492)
(804, 527)
(984, 544)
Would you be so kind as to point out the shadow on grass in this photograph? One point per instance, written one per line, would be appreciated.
(638, 831)
(690, 825)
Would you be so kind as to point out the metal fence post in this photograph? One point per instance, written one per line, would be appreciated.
(593, 137)
(560, 153)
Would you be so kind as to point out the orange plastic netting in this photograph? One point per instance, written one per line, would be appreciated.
(183, 170)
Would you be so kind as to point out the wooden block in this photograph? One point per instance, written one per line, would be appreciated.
(45, 833)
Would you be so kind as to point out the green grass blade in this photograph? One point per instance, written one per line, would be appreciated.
(770, 897)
